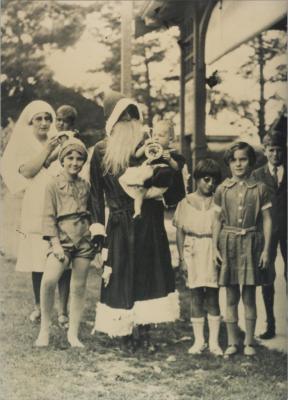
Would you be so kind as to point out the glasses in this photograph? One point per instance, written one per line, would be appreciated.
(209, 179)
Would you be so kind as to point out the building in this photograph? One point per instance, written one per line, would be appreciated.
(209, 29)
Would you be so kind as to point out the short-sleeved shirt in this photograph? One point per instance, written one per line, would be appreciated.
(241, 202)
(65, 209)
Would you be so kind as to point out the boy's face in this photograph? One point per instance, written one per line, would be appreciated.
(161, 136)
(275, 155)
(63, 123)
(73, 163)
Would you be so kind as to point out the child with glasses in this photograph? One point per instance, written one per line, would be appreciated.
(193, 219)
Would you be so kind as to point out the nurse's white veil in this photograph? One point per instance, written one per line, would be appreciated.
(23, 144)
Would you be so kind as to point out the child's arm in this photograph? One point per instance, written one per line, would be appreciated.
(49, 222)
(216, 227)
(267, 230)
(167, 157)
(180, 239)
(140, 152)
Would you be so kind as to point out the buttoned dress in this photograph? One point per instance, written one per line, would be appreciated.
(65, 215)
(241, 237)
(196, 224)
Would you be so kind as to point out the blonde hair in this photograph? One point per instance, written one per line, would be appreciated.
(121, 145)
(165, 124)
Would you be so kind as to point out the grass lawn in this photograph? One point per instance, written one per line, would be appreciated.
(101, 371)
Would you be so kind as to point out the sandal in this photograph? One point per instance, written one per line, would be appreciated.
(197, 348)
(231, 350)
(249, 351)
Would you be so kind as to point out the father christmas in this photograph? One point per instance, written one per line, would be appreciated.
(138, 287)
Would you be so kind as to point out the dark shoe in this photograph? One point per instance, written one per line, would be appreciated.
(127, 344)
(148, 346)
(269, 334)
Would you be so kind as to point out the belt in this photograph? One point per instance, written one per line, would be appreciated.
(199, 235)
(239, 231)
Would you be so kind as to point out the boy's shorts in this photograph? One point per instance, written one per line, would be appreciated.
(84, 248)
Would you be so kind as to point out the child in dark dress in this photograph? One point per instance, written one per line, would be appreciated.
(241, 242)
(153, 176)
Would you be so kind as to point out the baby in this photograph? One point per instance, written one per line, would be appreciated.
(155, 167)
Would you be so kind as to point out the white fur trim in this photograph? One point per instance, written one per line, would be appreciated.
(97, 229)
(268, 205)
(120, 322)
(104, 253)
(113, 321)
(121, 106)
(155, 311)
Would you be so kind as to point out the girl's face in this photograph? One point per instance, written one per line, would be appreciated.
(240, 164)
(206, 185)
(41, 124)
(73, 163)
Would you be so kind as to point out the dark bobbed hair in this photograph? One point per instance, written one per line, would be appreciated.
(207, 167)
(229, 154)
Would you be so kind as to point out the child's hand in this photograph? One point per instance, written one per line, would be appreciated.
(166, 155)
(58, 252)
(106, 275)
(183, 266)
(264, 260)
(217, 259)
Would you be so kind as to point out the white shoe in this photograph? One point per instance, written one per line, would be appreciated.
(197, 348)
(216, 350)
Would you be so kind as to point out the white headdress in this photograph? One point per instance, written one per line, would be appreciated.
(23, 145)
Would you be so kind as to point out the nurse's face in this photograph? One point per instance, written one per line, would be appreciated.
(41, 124)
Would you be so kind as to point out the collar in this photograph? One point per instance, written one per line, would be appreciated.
(271, 167)
(63, 182)
(249, 182)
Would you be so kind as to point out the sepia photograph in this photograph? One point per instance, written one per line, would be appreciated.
(143, 175)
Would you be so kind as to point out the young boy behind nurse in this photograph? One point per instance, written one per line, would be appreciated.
(66, 226)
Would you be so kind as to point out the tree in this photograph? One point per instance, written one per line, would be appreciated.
(30, 29)
(265, 65)
(148, 52)
(265, 48)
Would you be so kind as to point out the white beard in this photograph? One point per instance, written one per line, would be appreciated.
(121, 145)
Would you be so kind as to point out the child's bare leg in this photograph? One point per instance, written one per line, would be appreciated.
(77, 292)
(64, 289)
(53, 271)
